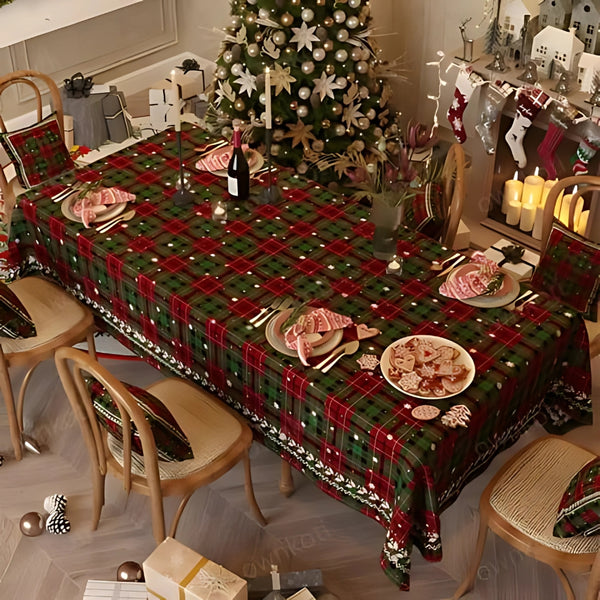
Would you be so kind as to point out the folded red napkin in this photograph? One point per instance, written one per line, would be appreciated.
(483, 277)
(218, 160)
(95, 203)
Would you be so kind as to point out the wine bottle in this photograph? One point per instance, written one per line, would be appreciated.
(238, 172)
(276, 585)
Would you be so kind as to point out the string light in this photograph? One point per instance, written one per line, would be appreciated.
(441, 83)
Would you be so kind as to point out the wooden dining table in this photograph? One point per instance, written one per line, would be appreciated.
(180, 284)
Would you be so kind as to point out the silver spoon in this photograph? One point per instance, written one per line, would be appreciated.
(347, 348)
(126, 216)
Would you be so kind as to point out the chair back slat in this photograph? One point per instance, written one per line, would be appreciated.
(453, 182)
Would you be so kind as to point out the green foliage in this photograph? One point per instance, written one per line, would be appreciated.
(4, 2)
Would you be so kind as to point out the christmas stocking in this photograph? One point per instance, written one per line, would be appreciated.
(587, 149)
(561, 117)
(466, 82)
(56, 521)
(494, 100)
(529, 104)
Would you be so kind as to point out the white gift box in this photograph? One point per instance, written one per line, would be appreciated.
(175, 572)
(114, 590)
(521, 270)
(162, 110)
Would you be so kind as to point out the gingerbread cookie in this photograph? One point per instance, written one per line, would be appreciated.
(425, 412)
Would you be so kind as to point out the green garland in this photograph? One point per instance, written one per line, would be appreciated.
(3, 2)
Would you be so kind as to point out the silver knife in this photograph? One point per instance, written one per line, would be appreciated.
(454, 264)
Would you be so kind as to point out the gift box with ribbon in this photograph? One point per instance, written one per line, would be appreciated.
(114, 590)
(513, 259)
(175, 572)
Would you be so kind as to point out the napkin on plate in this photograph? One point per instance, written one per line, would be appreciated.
(218, 160)
(485, 278)
(93, 204)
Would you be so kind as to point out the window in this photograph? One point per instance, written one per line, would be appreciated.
(576, 25)
(590, 29)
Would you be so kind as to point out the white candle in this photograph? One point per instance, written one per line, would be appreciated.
(532, 189)
(513, 214)
(566, 207)
(527, 219)
(513, 188)
(548, 185)
(538, 225)
(175, 99)
(268, 115)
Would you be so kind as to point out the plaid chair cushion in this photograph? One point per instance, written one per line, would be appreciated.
(579, 510)
(424, 211)
(15, 321)
(38, 152)
(171, 442)
(569, 270)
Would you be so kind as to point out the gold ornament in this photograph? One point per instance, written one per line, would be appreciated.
(295, 2)
(286, 19)
(325, 123)
(320, 2)
(337, 109)
(293, 105)
(32, 524)
(318, 145)
(328, 21)
(258, 36)
(329, 69)
(328, 45)
(250, 18)
(278, 120)
(239, 104)
(130, 571)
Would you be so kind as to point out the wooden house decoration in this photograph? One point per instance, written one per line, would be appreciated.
(589, 65)
(585, 19)
(553, 44)
(556, 13)
(512, 17)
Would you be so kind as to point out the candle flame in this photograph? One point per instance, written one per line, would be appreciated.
(537, 171)
(516, 175)
(574, 190)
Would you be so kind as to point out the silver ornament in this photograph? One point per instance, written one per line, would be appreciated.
(352, 22)
(264, 13)
(236, 21)
(361, 67)
(342, 35)
(227, 56)
(308, 67)
(319, 54)
(253, 50)
(32, 524)
(364, 123)
(222, 72)
(307, 15)
(339, 130)
(341, 82)
(339, 16)
(355, 53)
(237, 69)
(262, 98)
(341, 55)
(353, 3)
(279, 38)
(304, 93)
(302, 168)
(302, 111)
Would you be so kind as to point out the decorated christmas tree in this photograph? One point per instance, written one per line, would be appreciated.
(327, 81)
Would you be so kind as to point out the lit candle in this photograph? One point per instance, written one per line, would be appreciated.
(547, 187)
(175, 99)
(527, 219)
(565, 207)
(513, 214)
(268, 116)
(583, 221)
(513, 188)
(532, 189)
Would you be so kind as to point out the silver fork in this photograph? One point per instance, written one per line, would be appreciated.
(285, 303)
(66, 192)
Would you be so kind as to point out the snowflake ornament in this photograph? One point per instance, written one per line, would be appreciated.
(247, 82)
(304, 36)
(281, 79)
(325, 85)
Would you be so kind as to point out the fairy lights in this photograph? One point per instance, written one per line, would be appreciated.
(437, 64)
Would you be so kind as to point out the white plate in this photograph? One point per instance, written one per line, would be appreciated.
(67, 210)
(274, 336)
(464, 358)
(255, 160)
(505, 295)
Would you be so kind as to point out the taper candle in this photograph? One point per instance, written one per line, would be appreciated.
(175, 99)
(268, 115)
(513, 188)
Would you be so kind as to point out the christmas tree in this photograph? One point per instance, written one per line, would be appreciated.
(328, 89)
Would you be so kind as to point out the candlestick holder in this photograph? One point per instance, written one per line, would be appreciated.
(271, 194)
(182, 197)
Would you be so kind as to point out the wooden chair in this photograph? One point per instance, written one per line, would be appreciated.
(219, 438)
(588, 185)
(453, 182)
(36, 82)
(60, 320)
(520, 504)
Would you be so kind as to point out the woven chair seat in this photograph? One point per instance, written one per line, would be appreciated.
(517, 499)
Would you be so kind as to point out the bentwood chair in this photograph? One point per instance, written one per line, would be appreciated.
(60, 320)
(520, 505)
(588, 186)
(218, 437)
(38, 84)
(453, 182)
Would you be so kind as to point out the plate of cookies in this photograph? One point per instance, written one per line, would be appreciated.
(428, 367)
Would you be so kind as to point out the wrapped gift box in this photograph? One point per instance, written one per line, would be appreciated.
(162, 111)
(521, 270)
(114, 590)
(175, 572)
(115, 113)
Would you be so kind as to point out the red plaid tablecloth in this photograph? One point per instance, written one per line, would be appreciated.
(179, 287)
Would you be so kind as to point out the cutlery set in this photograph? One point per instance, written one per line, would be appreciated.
(106, 226)
(70, 189)
(278, 305)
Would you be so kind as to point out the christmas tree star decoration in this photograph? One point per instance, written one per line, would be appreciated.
(300, 134)
(304, 36)
(281, 79)
(325, 85)
(247, 82)
(270, 49)
(224, 91)
(352, 114)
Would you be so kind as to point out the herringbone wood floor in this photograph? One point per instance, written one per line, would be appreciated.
(307, 530)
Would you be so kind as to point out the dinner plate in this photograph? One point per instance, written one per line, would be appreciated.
(67, 210)
(254, 157)
(464, 358)
(509, 290)
(328, 341)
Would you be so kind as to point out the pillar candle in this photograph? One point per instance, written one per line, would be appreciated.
(513, 188)
(536, 234)
(533, 187)
(583, 221)
(268, 115)
(548, 185)
(566, 207)
(527, 218)
(513, 214)
(175, 99)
